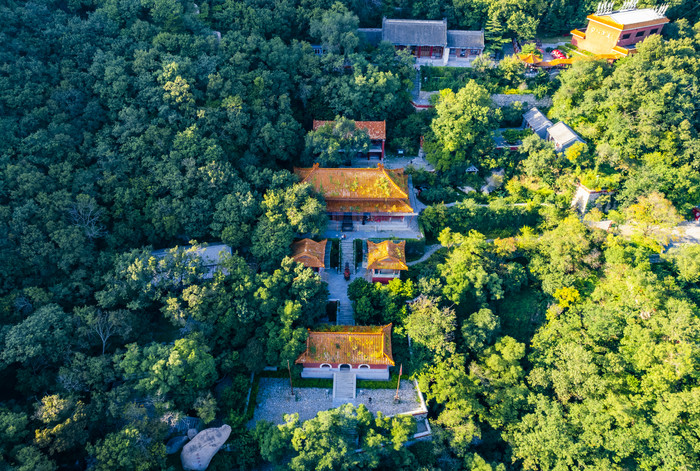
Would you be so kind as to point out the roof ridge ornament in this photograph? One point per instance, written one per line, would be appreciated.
(629, 5)
(605, 7)
(661, 9)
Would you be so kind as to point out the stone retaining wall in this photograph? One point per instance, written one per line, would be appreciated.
(501, 99)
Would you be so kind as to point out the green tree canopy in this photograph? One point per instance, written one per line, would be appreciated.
(335, 143)
(462, 127)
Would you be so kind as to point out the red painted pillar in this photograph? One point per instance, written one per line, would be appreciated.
(418, 51)
(431, 52)
(383, 148)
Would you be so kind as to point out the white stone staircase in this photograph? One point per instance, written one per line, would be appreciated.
(344, 387)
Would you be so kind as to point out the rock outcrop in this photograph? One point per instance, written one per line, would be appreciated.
(197, 454)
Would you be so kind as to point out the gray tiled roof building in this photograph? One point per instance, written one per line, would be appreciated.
(538, 122)
(415, 32)
(426, 38)
(562, 136)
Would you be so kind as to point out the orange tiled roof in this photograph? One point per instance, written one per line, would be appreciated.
(387, 254)
(369, 345)
(359, 189)
(309, 253)
(375, 129)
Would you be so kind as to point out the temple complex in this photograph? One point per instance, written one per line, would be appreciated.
(427, 39)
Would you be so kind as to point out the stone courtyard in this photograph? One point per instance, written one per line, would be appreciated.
(274, 400)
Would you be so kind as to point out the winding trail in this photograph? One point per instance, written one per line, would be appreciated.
(429, 250)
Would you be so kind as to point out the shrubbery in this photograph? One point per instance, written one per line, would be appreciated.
(497, 219)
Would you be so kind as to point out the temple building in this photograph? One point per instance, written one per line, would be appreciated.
(376, 131)
(363, 350)
(427, 39)
(538, 122)
(562, 136)
(358, 196)
(310, 254)
(614, 34)
(386, 260)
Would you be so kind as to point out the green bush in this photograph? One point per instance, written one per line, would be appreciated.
(335, 252)
(372, 384)
(415, 248)
(297, 380)
(437, 194)
(512, 116)
(495, 220)
(358, 251)
(512, 136)
(421, 177)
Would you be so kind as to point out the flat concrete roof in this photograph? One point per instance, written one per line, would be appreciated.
(630, 17)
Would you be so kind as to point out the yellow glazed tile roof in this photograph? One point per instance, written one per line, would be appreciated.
(530, 58)
(355, 345)
(386, 255)
(309, 253)
(360, 189)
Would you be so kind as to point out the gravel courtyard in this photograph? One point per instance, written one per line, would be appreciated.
(274, 400)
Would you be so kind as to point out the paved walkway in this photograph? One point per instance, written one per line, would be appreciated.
(274, 400)
(429, 250)
(687, 232)
(338, 289)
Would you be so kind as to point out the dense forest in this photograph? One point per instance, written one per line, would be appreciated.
(130, 126)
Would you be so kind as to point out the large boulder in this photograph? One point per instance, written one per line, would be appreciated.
(175, 444)
(197, 454)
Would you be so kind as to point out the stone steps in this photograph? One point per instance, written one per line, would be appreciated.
(345, 313)
(348, 253)
(344, 387)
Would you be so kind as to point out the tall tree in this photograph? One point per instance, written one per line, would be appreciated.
(335, 143)
(462, 127)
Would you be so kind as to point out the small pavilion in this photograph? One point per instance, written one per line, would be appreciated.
(386, 260)
(363, 350)
(310, 254)
(376, 131)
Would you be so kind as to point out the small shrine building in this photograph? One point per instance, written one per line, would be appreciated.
(386, 260)
(310, 254)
